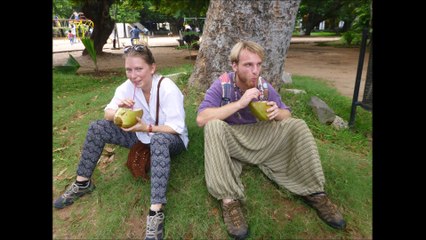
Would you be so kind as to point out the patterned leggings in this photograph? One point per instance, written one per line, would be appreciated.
(163, 145)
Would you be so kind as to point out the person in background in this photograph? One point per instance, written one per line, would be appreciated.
(81, 16)
(168, 138)
(74, 33)
(75, 16)
(70, 37)
(282, 146)
(188, 27)
(134, 32)
(56, 22)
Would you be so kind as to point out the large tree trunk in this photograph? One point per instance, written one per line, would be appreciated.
(269, 23)
(98, 12)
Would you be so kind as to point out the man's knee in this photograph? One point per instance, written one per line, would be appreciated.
(213, 126)
(293, 122)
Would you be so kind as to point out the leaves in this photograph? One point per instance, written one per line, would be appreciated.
(90, 47)
(71, 66)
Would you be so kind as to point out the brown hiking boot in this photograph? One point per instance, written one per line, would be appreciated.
(326, 210)
(234, 220)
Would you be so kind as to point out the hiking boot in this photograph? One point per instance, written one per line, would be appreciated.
(326, 210)
(155, 226)
(73, 193)
(234, 220)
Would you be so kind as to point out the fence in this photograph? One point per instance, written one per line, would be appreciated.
(83, 27)
(367, 100)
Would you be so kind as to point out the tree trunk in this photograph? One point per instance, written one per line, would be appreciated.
(312, 20)
(269, 23)
(124, 29)
(98, 12)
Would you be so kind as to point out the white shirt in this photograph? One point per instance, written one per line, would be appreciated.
(171, 108)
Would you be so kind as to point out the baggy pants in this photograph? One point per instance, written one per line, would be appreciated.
(285, 151)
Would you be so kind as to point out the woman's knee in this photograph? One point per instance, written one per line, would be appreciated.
(99, 124)
(160, 138)
(102, 129)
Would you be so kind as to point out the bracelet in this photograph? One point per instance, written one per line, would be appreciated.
(150, 128)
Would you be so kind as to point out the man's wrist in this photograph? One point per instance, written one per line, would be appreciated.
(149, 128)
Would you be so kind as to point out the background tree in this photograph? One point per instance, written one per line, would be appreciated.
(98, 12)
(151, 15)
(62, 8)
(126, 12)
(356, 16)
(312, 12)
(269, 23)
(175, 10)
(102, 14)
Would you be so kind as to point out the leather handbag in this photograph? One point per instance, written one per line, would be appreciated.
(139, 160)
(139, 157)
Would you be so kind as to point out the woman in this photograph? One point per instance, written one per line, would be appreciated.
(169, 137)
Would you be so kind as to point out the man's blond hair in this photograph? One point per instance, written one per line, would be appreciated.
(253, 47)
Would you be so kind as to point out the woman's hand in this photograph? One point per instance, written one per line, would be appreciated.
(126, 103)
(138, 127)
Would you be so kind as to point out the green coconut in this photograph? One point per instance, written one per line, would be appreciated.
(126, 117)
(258, 109)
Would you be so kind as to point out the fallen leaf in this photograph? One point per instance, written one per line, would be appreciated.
(61, 172)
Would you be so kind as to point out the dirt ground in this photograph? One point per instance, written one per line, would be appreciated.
(335, 66)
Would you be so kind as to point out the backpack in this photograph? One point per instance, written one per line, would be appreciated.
(225, 81)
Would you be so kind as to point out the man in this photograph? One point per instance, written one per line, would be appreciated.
(135, 31)
(282, 147)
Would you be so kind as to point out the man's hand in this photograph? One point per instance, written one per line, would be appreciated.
(248, 96)
(273, 110)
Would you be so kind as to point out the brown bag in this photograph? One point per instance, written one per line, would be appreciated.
(139, 158)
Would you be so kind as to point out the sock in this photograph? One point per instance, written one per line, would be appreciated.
(233, 200)
(317, 193)
(82, 184)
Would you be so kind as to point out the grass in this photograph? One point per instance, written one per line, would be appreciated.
(324, 34)
(117, 208)
(318, 34)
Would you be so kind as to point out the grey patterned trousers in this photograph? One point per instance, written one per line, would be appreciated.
(163, 145)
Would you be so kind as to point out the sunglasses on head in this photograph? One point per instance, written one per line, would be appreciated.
(137, 48)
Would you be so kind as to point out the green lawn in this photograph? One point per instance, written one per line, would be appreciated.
(117, 208)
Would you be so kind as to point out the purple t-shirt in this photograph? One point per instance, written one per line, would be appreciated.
(213, 98)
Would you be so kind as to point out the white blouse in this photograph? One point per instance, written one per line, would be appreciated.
(172, 112)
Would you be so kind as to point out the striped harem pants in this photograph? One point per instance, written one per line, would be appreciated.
(285, 151)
